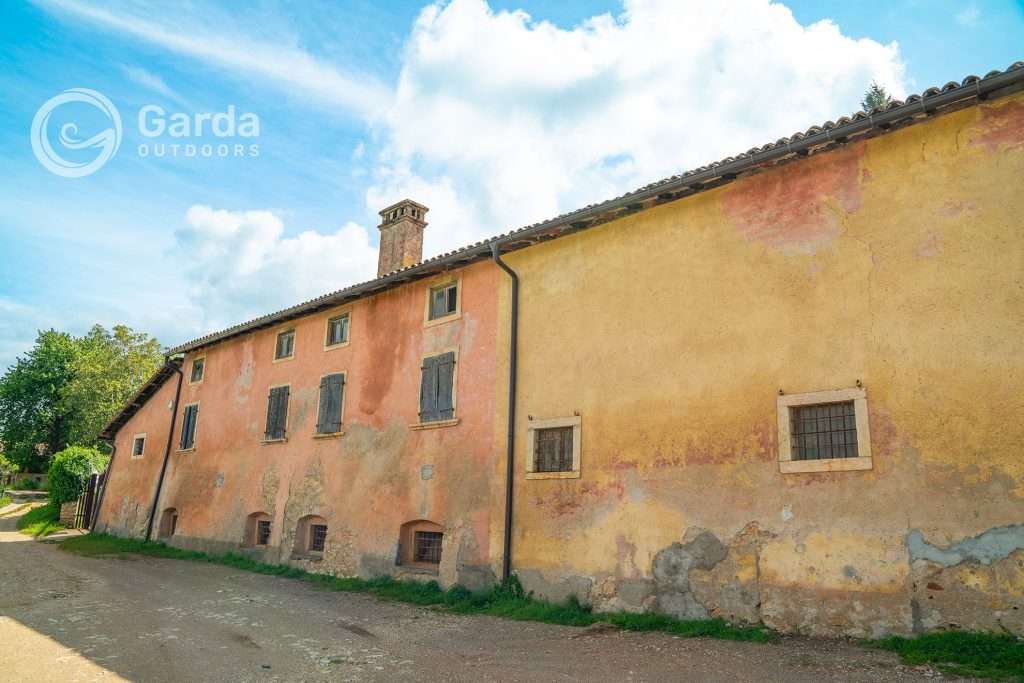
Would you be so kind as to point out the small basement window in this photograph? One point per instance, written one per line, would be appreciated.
(285, 347)
(337, 330)
(198, 367)
(824, 431)
(554, 448)
(262, 532)
(420, 544)
(138, 445)
(427, 547)
(317, 537)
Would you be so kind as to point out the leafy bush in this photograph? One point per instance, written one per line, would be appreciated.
(27, 484)
(70, 470)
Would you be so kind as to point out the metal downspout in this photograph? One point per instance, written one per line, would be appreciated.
(506, 562)
(167, 455)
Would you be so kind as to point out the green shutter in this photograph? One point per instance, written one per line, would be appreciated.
(332, 389)
(188, 426)
(446, 386)
(428, 390)
(277, 413)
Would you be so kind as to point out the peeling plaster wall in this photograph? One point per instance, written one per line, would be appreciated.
(897, 261)
(366, 483)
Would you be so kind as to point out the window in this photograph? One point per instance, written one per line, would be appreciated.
(198, 366)
(285, 347)
(277, 414)
(263, 532)
(427, 547)
(168, 523)
(257, 529)
(420, 544)
(310, 538)
(188, 427)
(824, 431)
(332, 394)
(554, 448)
(138, 445)
(444, 301)
(337, 330)
(437, 388)
(317, 537)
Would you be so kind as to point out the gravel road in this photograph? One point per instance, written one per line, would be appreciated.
(67, 618)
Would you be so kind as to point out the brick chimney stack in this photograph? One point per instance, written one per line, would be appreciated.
(401, 236)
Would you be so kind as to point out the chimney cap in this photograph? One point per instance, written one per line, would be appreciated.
(406, 208)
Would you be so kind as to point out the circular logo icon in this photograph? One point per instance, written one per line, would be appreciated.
(105, 142)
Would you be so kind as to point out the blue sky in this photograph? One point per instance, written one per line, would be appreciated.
(491, 117)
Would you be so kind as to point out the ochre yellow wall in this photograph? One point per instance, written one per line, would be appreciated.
(897, 261)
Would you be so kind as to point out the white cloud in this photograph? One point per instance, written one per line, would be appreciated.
(969, 15)
(290, 67)
(497, 121)
(153, 82)
(501, 121)
(240, 264)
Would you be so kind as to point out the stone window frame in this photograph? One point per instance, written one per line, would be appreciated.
(192, 370)
(304, 536)
(443, 281)
(252, 533)
(295, 338)
(785, 402)
(574, 421)
(337, 313)
(135, 438)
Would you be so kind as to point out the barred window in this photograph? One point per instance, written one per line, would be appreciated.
(139, 446)
(427, 547)
(317, 537)
(824, 431)
(198, 366)
(263, 532)
(553, 450)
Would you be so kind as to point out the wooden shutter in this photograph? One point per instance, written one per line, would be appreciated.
(277, 413)
(332, 389)
(188, 427)
(446, 386)
(428, 390)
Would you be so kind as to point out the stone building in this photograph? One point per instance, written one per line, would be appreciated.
(786, 388)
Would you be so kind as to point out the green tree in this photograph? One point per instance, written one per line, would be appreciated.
(109, 368)
(69, 472)
(34, 421)
(874, 97)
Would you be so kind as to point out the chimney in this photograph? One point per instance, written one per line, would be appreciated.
(401, 236)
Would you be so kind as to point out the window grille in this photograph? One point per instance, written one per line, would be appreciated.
(427, 547)
(263, 532)
(317, 537)
(553, 450)
(824, 431)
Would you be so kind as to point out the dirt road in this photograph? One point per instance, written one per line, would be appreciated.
(66, 618)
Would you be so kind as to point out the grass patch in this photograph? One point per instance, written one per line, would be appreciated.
(5, 500)
(985, 655)
(41, 521)
(508, 601)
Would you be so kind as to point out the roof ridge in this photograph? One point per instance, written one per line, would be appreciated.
(1015, 70)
